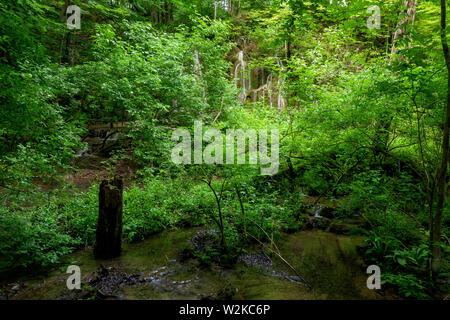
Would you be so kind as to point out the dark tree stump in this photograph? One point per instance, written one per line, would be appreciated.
(109, 226)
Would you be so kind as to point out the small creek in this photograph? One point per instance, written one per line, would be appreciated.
(153, 269)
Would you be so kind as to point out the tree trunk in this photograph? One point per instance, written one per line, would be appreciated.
(410, 13)
(442, 174)
(109, 227)
(65, 41)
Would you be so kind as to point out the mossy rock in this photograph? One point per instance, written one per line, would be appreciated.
(328, 212)
(340, 228)
(318, 223)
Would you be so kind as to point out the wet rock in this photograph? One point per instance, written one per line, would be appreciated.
(11, 290)
(318, 223)
(266, 264)
(328, 212)
(288, 277)
(340, 228)
(106, 283)
(208, 296)
(205, 245)
(204, 239)
(255, 260)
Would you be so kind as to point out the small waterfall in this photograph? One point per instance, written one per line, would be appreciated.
(269, 86)
(280, 98)
(197, 67)
(242, 63)
(272, 86)
(249, 79)
(317, 212)
(241, 71)
(198, 73)
(268, 90)
(224, 4)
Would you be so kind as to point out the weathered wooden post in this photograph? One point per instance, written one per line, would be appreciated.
(109, 226)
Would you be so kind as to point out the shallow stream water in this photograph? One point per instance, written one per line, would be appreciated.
(152, 269)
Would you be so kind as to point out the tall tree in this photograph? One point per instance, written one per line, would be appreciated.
(442, 173)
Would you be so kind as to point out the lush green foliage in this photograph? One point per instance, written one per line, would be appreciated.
(358, 126)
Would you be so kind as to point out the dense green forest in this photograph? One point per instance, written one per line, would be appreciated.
(356, 91)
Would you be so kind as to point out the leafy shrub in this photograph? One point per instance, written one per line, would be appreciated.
(408, 285)
(402, 267)
(23, 243)
(41, 235)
